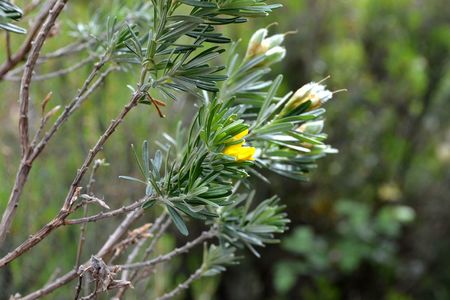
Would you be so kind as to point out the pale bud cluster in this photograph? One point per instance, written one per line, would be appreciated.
(312, 127)
(270, 46)
(313, 91)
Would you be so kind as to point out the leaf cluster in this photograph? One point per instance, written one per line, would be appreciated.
(217, 258)
(242, 226)
(286, 147)
(191, 176)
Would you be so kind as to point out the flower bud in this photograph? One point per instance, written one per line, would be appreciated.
(313, 127)
(314, 92)
(273, 41)
(274, 55)
(255, 42)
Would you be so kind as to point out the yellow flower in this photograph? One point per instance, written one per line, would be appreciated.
(240, 135)
(238, 151)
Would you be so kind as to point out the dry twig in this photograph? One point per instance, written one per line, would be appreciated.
(66, 208)
(25, 167)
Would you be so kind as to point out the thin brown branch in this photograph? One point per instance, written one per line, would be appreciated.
(89, 189)
(92, 88)
(58, 73)
(24, 95)
(184, 285)
(159, 226)
(140, 237)
(74, 273)
(66, 208)
(44, 118)
(63, 280)
(165, 257)
(134, 275)
(8, 46)
(81, 96)
(31, 6)
(73, 48)
(27, 162)
(70, 108)
(155, 240)
(104, 215)
(70, 49)
(78, 288)
(115, 237)
(24, 169)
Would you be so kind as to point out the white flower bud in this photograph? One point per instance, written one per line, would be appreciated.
(255, 42)
(313, 127)
(274, 55)
(314, 92)
(273, 41)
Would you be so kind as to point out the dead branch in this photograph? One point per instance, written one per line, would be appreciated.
(75, 272)
(66, 208)
(184, 285)
(165, 257)
(11, 208)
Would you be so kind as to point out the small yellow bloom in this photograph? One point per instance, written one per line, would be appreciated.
(238, 151)
(240, 135)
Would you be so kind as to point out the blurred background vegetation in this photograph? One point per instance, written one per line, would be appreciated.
(373, 222)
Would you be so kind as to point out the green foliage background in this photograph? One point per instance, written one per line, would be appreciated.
(373, 222)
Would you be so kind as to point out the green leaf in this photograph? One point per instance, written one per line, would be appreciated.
(177, 220)
(132, 179)
(269, 97)
(148, 204)
(197, 3)
(146, 159)
(12, 27)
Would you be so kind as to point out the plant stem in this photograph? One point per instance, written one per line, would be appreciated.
(24, 96)
(165, 257)
(184, 285)
(66, 208)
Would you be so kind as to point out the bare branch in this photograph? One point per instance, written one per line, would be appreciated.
(82, 237)
(66, 278)
(58, 73)
(155, 240)
(8, 46)
(165, 257)
(66, 208)
(31, 6)
(104, 215)
(73, 48)
(147, 253)
(106, 248)
(69, 109)
(115, 237)
(66, 50)
(138, 238)
(28, 72)
(93, 87)
(184, 285)
(27, 162)
(24, 169)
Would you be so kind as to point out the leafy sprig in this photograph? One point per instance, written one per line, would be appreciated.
(8, 13)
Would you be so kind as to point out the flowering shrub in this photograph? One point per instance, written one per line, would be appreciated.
(242, 126)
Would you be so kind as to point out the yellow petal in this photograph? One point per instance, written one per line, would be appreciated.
(246, 153)
(233, 150)
(240, 135)
(239, 152)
